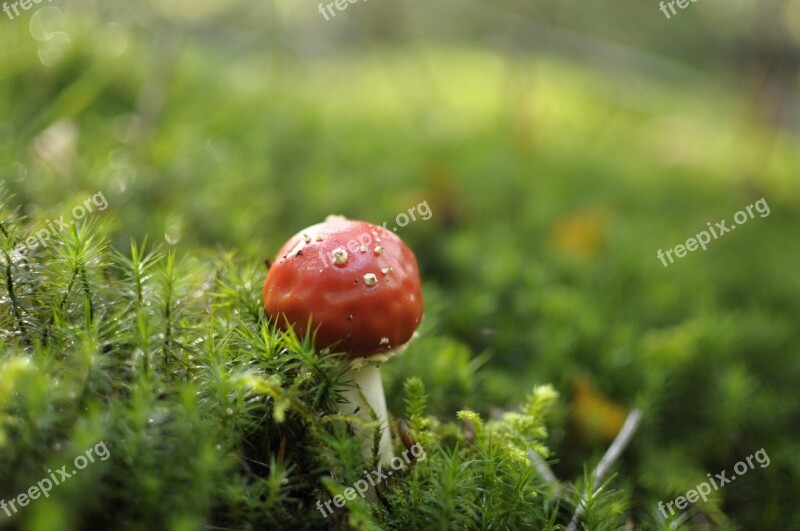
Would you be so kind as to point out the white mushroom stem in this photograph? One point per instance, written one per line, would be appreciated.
(365, 399)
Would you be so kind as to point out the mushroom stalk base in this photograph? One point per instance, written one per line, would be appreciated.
(364, 399)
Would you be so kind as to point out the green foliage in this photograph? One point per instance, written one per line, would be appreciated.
(480, 481)
(211, 415)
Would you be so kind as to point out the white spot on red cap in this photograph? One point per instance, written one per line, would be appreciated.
(370, 279)
(339, 256)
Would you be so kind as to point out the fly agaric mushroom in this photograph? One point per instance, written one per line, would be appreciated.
(359, 286)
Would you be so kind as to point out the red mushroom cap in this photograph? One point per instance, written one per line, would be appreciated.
(356, 281)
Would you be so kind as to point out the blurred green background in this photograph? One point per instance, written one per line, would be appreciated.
(559, 147)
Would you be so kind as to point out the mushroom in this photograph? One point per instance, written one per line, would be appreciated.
(359, 285)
